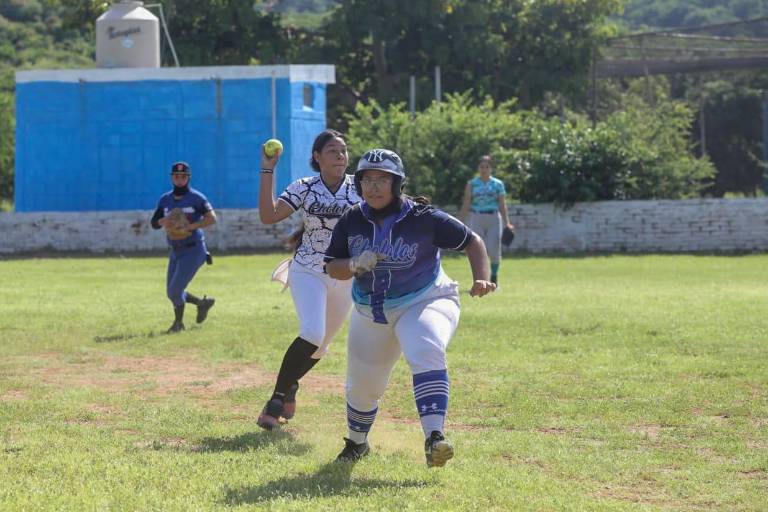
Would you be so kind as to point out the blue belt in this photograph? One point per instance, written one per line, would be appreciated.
(485, 213)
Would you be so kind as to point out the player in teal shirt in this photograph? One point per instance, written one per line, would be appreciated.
(484, 209)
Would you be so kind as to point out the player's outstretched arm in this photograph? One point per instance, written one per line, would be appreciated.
(270, 210)
(478, 261)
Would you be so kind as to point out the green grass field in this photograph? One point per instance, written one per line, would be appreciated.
(595, 383)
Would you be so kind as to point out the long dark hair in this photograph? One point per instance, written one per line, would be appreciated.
(485, 158)
(293, 241)
(419, 199)
(320, 141)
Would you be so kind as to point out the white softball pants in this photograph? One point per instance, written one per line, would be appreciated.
(420, 331)
(322, 304)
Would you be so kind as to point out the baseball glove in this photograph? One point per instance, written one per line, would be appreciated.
(507, 236)
(177, 226)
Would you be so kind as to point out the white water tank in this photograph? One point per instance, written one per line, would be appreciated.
(128, 36)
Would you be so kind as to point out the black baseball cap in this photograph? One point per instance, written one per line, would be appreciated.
(180, 168)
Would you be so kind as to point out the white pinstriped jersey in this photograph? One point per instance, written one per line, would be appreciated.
(320, 210)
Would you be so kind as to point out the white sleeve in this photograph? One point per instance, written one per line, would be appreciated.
(294, 194)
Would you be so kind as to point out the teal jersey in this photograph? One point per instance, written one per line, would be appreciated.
(485, 196)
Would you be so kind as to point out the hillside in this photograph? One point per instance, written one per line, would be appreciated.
(640, 14)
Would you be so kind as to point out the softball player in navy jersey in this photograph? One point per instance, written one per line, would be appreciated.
(484, 197)
(322, 304)
(404, 302)
(187, 249)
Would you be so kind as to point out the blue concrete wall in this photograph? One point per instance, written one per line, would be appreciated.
(109, 145)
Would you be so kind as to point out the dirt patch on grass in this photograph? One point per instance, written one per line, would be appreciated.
(651, 432)
(13, 394)
(757, 474)
(155, 377)
(642, 494)
(149, 376)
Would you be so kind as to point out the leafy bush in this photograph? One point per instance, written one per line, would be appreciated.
(636, 154)
(442, 144)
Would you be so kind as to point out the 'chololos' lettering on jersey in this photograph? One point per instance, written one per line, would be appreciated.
(327, 210)
(399, 254)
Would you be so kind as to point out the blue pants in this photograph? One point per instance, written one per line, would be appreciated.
(183, 264)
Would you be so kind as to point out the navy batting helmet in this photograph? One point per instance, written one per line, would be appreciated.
(181, 168)
(381, 160)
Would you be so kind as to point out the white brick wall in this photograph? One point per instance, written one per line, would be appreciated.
(643, 226)
(610, 226)
(128, 231)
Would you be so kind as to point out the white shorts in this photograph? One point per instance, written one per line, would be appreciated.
(322, 304)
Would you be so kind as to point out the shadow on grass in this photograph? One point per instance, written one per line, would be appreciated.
(331, 479)
(253, 441)
(117, 338)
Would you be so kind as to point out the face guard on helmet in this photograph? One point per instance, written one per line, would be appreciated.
(381, 160)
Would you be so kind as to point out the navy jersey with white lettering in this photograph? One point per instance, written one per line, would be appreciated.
(194, 205)
(320, 210)
(411, 241)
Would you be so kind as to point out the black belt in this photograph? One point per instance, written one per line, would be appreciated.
(185, 245)
(485, 213)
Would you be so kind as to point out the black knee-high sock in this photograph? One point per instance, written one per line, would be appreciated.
(178, 313)
(192, 299)
(296, 363)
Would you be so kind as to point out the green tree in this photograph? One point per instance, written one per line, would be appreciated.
(7, 142)
(733, 125)
(502, 48)
(225, 32)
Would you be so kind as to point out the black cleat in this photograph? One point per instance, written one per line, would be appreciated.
(176, 327)
(269, 419)
(203, 307)
(352, 451)
(437, 449)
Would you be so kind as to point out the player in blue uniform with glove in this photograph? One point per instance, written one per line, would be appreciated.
(186, 241)
(404, 302)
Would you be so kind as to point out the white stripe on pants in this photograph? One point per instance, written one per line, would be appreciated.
(322, 304)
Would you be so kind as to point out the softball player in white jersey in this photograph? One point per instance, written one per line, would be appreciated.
(321, 303)
(404, 302)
